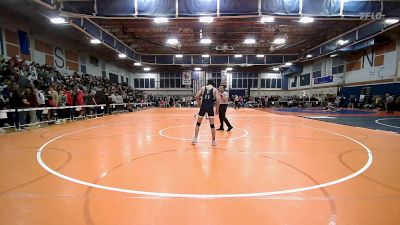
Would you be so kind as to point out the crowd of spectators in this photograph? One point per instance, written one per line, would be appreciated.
(385, 102)
(26, 84)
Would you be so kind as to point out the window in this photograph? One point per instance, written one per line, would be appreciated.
(244, 80)
(337, 65)
(83, 68)
(305, 79)
(316, 74)
(271, 83)
(217, 78)
(171, 80)
(317, 68)
(1, 42)
(278, 83)
(144, 83)
(337, 69)
(268, 83)
(294, 83)
(94, 61)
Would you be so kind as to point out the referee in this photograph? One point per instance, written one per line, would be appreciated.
(223, 105)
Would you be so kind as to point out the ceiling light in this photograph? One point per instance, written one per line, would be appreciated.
(267, 19)
(206, 19)
(205, 41)
(229, 69)
(238, 56)
(275, 69)
(95, 41)
(288, 64)
(179, 56)
(249, 41)
(306, 19)
(121, 55)
(279, 41)
(260, 56)
(205, 56)
(137, 64)
(391, 21)
(308, 56)
(197, 68)
(172, 41)
(343, 42)
(146, 69)
(334, 55)
(58, 20)
(161, 20)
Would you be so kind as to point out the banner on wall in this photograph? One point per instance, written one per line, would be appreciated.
(198, 80)
(323, 80)
(186, 77)
(23, 42)
(59, 58)
(198, 75)
(224, 77)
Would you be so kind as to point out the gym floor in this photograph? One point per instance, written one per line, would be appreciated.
(140, 168)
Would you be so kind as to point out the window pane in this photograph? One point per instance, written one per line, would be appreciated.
(234, 83)
(262, 83)
(240, 75)
(136, 83)
(245, 82)
(244, 75)
(162, 83)
(178, 83)
(141, 81)
(147, 83)
(172, 83)
(255, 83)
(166, 83)
(240, 84)
(316, 74)
(273, 83)
(340, 69)
(152, 83)
(334, 70)
(268, 83)
(234, 75)
(279, 83)
(250, 83)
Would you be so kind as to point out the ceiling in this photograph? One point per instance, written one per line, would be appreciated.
(148, 37)
(33, 18)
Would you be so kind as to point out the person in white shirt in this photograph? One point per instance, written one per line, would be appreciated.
(113, 98)
(223, 106)
(119, 99)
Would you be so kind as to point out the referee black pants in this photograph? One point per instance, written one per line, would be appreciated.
(222, 115)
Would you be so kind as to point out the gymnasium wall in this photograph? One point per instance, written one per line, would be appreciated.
(378, 64)
(61, 54)
(157, 90)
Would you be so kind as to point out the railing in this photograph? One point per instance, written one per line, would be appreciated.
(16, 118)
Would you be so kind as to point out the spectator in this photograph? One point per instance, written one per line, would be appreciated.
(41, 103)
(54, 95)
(119, 99)
(389, 103)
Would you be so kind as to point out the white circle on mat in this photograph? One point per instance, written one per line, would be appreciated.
(383, 124)
(162, 133)
(202, 196)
